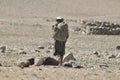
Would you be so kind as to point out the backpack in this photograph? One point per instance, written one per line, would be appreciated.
(60, 31)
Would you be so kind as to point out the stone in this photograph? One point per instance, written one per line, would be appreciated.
(37, 51)
(72, 64)
(41, 47)
(23, 63)
(102, 28)
(112, 56)
(77, 29)
(38, 61)
(67, 64)
(103, 65)
(47, 51)
(21, 51)
(3, 49)
(117, 47)
(13, 50)
(51, 47)
(0, 64)
(75, 64)
(68, 57)
(97, 54)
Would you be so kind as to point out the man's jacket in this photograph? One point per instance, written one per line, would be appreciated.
(60, 31)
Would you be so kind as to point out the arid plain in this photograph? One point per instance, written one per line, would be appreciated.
(26, 24)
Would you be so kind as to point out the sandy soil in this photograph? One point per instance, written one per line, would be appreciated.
(27, 24)
(53, 73)
(53, 8)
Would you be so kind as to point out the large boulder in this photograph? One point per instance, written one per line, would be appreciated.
(68, 57)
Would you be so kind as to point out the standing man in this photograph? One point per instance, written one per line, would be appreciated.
(60, 35)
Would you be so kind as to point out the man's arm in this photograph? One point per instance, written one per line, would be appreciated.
(67, 30)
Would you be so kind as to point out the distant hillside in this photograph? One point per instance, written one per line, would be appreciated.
(53, 8)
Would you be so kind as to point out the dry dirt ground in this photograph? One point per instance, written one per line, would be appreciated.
(27, 24)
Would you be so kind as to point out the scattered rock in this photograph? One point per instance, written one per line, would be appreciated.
(26, 62)
(72, 63)
(0, 64)
(98, 27)
(3, 49)
(103, 65)
(118, 56)
(40, 69)
(50, 47)
(14, 50)
(67, 64)
(118, 47)
(41, 47)
(6, 65)
(21, 51)
(68, 57)
(77, 29)
(47, 51)
(75, 64)
(38, 61)
(23, 63)
(37, 51)
(96, 53)
(112, 56)
(91, 67)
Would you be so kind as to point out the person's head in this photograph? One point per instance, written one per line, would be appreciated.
(59, 19)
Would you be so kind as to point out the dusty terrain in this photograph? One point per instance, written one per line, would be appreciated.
(53, 8)
(27, 24)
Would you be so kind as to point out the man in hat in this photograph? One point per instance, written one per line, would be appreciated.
(60, 35)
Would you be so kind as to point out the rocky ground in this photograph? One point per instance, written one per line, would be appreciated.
(25, 32)
(98, 54)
